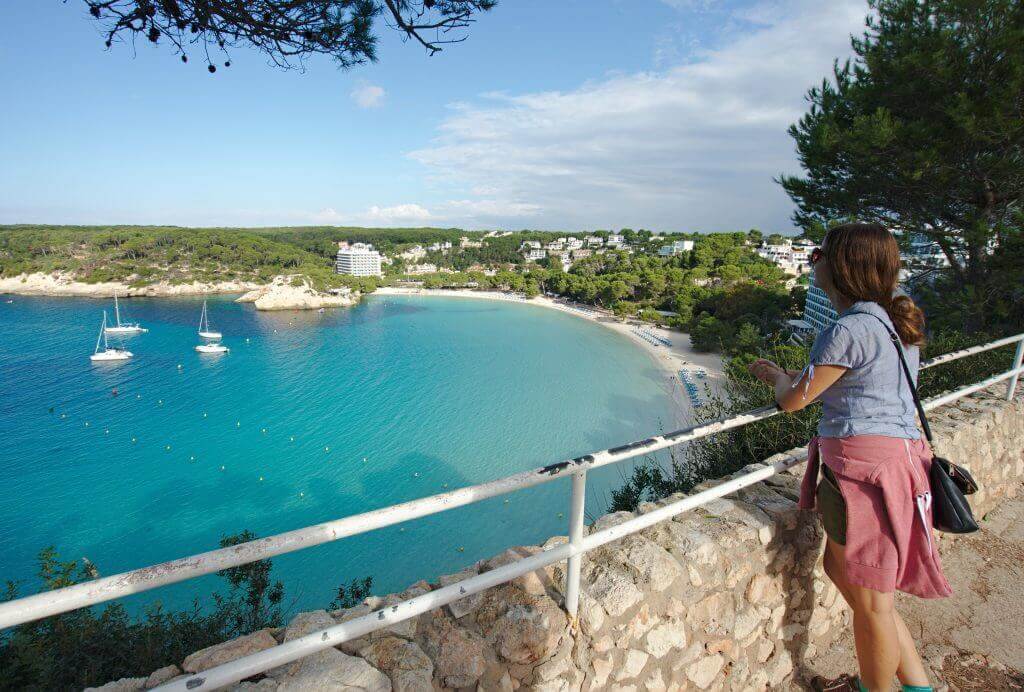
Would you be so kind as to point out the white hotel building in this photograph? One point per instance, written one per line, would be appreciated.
(357, 259)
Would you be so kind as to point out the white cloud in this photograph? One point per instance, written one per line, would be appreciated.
(399, 212)
(368, 96)
(691, 147)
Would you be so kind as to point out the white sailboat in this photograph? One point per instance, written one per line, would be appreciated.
(108, 353)
(123, 327)
(204, 326)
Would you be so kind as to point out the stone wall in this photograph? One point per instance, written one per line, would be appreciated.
(728, 597)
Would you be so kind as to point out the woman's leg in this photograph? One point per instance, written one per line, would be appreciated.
(869, 612)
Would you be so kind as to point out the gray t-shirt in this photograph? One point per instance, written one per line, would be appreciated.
(872, 396)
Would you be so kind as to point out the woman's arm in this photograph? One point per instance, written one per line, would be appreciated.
(793, 395)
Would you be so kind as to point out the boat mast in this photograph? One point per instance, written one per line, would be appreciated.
(202, 317)
(117, 311)
(103, 332)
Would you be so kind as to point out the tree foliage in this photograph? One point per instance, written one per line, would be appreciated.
(286, 31)
(91, 646)
(923, 131)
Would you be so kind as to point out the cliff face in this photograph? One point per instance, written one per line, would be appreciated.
(730, 596)
(40, 284)
(278, 295)
(281, 295)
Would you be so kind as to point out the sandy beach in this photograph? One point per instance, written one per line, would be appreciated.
(671, 350)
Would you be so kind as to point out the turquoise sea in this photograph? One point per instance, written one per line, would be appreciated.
(310, 417)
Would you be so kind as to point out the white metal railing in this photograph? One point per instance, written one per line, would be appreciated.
(96, 591)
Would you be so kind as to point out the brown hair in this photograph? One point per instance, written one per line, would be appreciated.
(864, 260)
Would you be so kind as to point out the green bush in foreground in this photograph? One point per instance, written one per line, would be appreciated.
(92, 646)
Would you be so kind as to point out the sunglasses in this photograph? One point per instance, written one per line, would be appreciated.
(816, 254)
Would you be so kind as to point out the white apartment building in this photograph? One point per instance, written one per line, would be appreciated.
(440, 247)
(616, 239)
(425, 268)
(534, 254)
(594, 240)
(573, 243)
(789, 256)
(358, 259)
(676, 248)
(465, 242)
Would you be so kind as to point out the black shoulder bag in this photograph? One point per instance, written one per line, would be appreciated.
(950, 484)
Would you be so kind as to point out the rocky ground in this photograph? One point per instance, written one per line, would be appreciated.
(972, 641)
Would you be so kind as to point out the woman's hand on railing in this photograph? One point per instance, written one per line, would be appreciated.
(767, 371)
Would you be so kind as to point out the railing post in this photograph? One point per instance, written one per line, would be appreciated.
(1018, 359)
(572, 576)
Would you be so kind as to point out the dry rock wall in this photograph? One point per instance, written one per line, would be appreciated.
(730, 596)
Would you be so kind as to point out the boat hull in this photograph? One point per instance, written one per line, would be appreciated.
(211, 348)
(210, 335)
(110, 355)
(125, 330)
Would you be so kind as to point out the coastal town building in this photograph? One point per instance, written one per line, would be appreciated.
(792, 257)
(465, 242)
(535, 253)
(440, 247)
(425, 268)
(676, 248)
(573, 243)
(358, 259)
(414, 253)
(582, 252)
(594, 241)
(615, 240)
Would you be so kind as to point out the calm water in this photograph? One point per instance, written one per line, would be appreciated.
(432, 392)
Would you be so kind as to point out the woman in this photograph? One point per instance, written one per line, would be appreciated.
(874, 496)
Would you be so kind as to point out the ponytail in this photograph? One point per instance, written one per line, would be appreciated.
(908, 320)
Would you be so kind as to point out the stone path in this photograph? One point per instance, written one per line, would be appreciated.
(974, 640)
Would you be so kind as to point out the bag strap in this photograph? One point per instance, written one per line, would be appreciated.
(910, 380)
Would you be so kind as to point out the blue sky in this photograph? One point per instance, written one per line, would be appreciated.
(553, 114)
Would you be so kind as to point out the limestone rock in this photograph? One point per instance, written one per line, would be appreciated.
(282, 295)
(159, 677)
(602, 669)
(404, 662)
(215, 655)
(703, 671)
(332, 670)
(307, 623)
(666, 637)
(613, 589)
(632, 664)
(463, 606)
(122, 685)
(458, 654)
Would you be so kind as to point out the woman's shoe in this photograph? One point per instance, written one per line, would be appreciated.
(844, 683)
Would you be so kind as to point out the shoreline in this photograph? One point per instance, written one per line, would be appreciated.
(670, 360)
